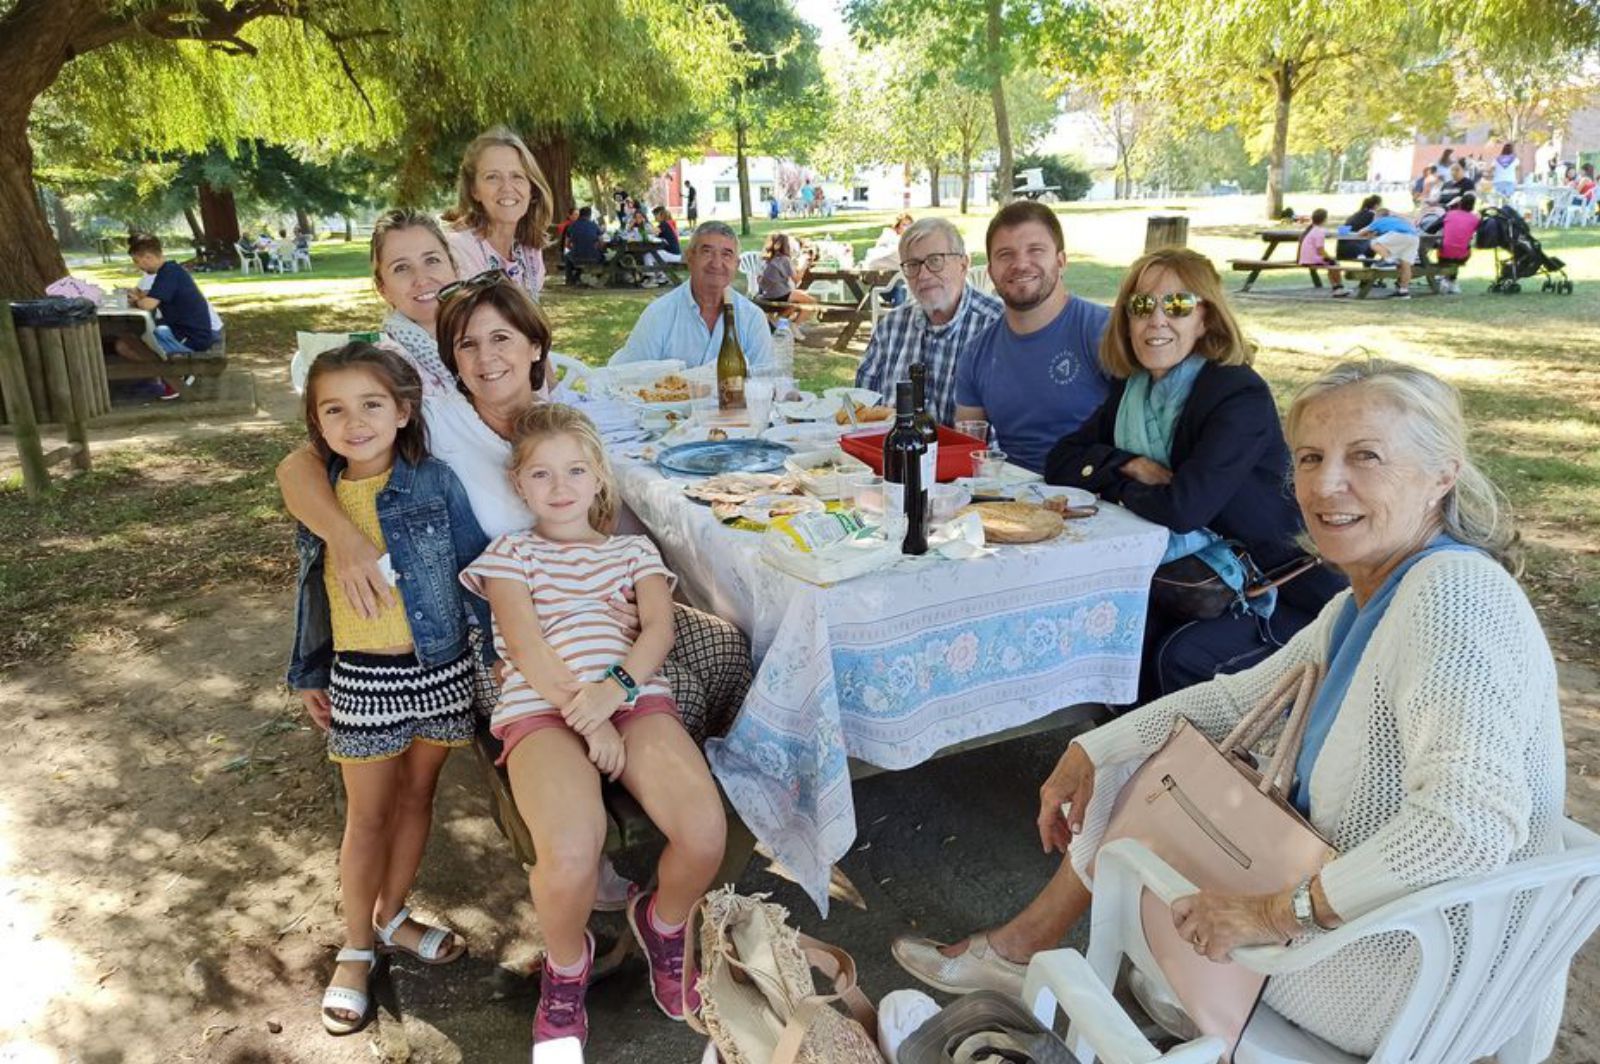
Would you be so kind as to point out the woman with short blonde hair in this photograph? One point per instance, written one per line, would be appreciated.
(501, 219)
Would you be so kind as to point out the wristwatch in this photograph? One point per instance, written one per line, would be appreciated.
(630, 689)
(1300, 902)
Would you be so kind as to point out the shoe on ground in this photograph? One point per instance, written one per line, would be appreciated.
(1402, 293)
(614, 890)
(979, 967)
(665, 954)
(561, 1012)
(169, 392)
(1340, 291)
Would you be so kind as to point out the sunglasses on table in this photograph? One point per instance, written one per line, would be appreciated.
(935, 263)
(475, 283)
(1173, 304)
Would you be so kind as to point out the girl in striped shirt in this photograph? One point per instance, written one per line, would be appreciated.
(583, 697)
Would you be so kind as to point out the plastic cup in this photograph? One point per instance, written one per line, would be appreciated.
(978, 430)
(989, 470)
(865, 492)
(758, 394)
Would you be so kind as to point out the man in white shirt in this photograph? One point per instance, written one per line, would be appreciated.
(686, 323)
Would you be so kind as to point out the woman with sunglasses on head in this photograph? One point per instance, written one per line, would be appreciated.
(502, 216)
(1189, 438)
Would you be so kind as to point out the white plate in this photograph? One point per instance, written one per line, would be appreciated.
(861, 396)
(759, 509)
(1077, 498)
(804, 435)
(812, 409)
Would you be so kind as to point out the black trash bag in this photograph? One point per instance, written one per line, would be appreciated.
(52, 313)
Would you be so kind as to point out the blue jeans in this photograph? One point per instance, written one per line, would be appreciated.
(170, 344)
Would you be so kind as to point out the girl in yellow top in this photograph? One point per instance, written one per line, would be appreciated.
(394, 691)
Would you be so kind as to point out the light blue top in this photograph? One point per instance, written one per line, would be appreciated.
(1392, 224)
(671, 327)
(1037, 388)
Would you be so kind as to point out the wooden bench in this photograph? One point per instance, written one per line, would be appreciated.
(1255, 267)
(1365, 277)
(204, 366)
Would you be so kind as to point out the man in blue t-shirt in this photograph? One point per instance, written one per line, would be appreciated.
(183, 315)
(1395, 238)
(583, 243)
(1035, 373)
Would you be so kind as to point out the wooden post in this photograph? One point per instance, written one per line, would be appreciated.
(1166, 230)
(76, 416)
(33, 364)
(19, 408)
(53, 354)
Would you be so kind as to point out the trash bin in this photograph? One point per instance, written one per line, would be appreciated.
(66, 375)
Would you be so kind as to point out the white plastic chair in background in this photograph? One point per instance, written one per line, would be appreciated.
(301, 257)
(978, 277)
(573, 370)
(1490, 1008)
(249, 257)
(875, 298)
(750, 266)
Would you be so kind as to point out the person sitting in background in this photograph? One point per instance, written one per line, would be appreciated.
(779, 281)
(1349, 248)
(1189, 438)
(1397, 240)
(885, 254)
(686, 323)
(1456, 186)
(1314, 250)
(183, 315)
(1455, 242)
(937, 326)
(584, 244)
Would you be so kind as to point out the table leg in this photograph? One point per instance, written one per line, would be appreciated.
(861, 314)
(1316, 277)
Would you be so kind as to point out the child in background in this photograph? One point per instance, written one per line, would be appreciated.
(394, 692)
(1314, 251)
(1455, 241)
(571, 711)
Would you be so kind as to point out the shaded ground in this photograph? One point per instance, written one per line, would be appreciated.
(167, 830)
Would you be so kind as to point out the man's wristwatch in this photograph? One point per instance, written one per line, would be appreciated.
(630, 689)
(1300, 902)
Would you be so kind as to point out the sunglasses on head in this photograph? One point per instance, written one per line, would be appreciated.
(476, 283)
(1173, 304)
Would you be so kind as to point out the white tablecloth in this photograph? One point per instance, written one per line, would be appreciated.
(894, 666)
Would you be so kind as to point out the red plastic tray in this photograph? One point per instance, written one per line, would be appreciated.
(955, 451)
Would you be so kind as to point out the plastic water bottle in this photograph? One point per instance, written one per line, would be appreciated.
(783, 352)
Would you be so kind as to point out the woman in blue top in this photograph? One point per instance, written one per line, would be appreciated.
(1189, 438)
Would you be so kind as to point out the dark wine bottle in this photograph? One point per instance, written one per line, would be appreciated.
(924, 420)
(731, 367)
(905, 462)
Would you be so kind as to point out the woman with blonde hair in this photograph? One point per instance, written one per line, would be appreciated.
(1189, 438)
(503, 210)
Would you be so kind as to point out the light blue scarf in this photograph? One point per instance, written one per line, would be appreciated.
(1352, 631)
(1146, 422)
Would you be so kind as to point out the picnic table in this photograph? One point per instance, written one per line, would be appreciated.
(897, 666)
(1272, 238)
(860, 281)
(625, 266)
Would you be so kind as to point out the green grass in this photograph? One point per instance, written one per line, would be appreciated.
(149, 527)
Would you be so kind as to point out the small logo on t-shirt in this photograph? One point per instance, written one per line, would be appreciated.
(1066, 367)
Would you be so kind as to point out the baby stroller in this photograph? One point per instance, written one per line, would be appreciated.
(1518, 253)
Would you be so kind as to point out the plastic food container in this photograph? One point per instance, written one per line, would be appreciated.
(955, 451)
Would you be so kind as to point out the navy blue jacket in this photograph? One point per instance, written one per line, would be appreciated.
(431, 535)
(1230, 473)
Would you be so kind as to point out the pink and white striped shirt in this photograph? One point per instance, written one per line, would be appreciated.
(573, 586)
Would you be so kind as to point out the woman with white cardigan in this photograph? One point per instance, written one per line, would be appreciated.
(1434, 749)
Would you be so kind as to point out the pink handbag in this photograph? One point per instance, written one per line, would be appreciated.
(1225, 827)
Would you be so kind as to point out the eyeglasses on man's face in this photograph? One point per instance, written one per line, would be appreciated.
(934, 263)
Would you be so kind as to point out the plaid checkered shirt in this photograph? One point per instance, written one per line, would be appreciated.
(905, 335)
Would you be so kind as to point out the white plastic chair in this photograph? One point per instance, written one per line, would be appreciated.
(750, 266)
(978, 277)
(249, 257)
(1489, 1009)
(875, 297)
(574, 370)
(1062, 977)
(301, 257)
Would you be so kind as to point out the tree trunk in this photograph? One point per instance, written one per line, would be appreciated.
(196, 230)
(933, 182)
(219, 215)
(349, 229)
(744, 179)
(554, 156)
(1329, 179)
(966, 175)
(67, 234)
(303, 222)
(29, 257)
(997, 94)
(1278, 164)
(905, 186)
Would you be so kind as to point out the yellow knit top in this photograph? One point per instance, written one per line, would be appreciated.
(351, 631)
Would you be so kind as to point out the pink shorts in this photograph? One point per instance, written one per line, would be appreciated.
(517, 730)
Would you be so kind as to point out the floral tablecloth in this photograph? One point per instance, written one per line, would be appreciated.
(895, 666)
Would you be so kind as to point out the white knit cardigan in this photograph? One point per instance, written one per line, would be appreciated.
(1446, 760)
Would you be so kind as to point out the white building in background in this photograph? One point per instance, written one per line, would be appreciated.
(1077, 134)
(880, 188)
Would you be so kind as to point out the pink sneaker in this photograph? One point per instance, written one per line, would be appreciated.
(668, 980)
(561, 1013)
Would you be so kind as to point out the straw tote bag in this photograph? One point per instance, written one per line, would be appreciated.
(759, 1004)
(1226, 827)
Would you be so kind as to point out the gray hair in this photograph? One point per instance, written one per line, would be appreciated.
(923, 228)
(1475, 511)
(713, 229)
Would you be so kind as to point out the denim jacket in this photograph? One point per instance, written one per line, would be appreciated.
(431, 536)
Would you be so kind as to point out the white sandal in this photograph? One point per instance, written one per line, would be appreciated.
(348, 999)
(429, 950)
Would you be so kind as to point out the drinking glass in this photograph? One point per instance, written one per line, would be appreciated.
(978, 430)
(758, 393)
(864, 491)
(988, 469)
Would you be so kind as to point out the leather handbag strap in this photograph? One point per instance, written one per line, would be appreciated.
(840, 967)
(1255, 723)
(1282, 575)
(1298, 687)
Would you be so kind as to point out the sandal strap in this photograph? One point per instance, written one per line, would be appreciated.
(349, 955)
(431, 948)
(344, 997)
(386, 932)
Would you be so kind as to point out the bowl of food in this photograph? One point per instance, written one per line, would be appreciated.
(822, 472)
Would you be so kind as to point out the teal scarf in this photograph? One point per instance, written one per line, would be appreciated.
(1146, 421)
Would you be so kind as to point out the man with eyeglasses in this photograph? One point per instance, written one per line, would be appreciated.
(1034, 375)
(937, 326)
(686, 323)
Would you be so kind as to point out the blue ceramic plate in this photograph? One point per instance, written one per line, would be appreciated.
(724, 456)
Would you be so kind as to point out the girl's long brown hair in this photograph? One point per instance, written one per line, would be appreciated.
(398, 378)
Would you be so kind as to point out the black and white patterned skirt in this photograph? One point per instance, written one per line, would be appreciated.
(383, 703)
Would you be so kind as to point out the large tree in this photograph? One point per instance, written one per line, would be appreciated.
(175, 75)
